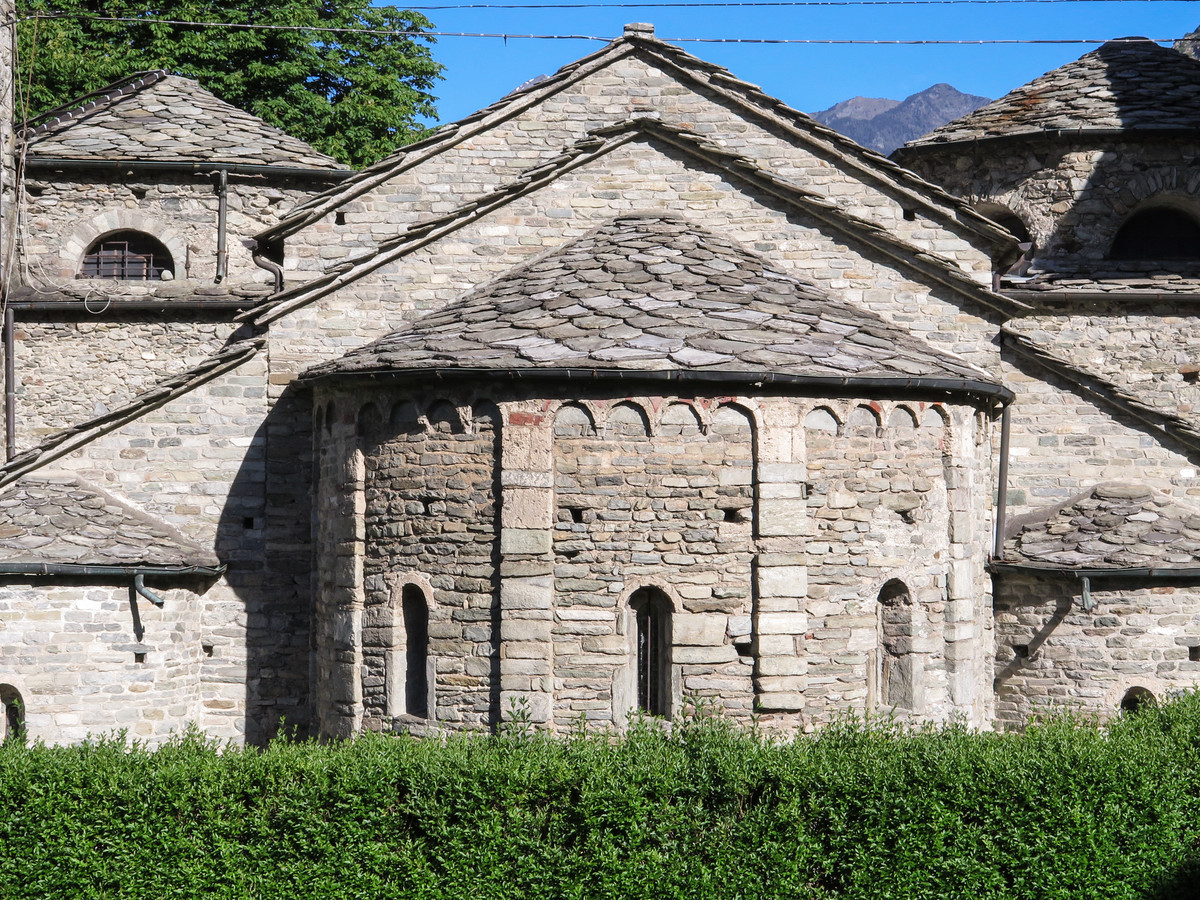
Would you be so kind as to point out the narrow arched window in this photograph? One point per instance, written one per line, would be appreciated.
(1159, 233)
(128, 256)
(652, 610)
(12, 727)
(416, 653)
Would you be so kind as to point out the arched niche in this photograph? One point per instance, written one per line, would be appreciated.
(627, 420)
(821, 419)
(404, 417)
(679, 419)
(444, 418)
(1137, 699)
(902, 420)
(1010, 221)
(862, 422)
(573, 420)
(1158, 233)
(899, 627)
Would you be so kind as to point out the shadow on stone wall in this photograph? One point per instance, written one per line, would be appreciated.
(264, 537)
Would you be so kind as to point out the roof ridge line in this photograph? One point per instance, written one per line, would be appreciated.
(231, 356)
(595, 143)
(848, 150)
(1098, 387)
(442, 138)
(84, 105)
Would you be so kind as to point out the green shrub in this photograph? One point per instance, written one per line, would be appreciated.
(1067, 810)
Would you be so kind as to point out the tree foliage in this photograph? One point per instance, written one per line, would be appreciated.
(352, 94)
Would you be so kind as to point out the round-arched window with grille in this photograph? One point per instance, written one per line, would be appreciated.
(128, 256)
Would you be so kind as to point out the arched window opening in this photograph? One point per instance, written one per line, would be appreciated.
(128, 256)
(12, 726)
(1137, 699)
(653, 612)
(1159, 233)
(416, 653)
(898, 670)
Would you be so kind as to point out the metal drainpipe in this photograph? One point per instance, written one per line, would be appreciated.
(222, 213)
(139, 585)
(273, 267)
(1002, 492)
(10, 379)
(10, 371)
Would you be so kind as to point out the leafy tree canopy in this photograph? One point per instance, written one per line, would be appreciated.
(352, 94)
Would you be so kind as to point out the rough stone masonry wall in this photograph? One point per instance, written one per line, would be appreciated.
(69, 370)
(406, 496)
(628, 88)
(75, 654)
(637, 177)
(1064, 442)
(655, 494)
(198, 463)
(1072, 195)
(65, 212)
(897, 492)
(1051, 654)
(430, 522)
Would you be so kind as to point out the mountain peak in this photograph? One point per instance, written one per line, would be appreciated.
(884, 125)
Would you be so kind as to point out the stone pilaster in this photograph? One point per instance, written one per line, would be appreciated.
(526, 562)
(339, 604)
(780, 569)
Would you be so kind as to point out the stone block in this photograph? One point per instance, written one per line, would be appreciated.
(782, 581)
(525, 541)
(698, 630)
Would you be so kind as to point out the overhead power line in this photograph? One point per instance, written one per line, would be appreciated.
(417, 33)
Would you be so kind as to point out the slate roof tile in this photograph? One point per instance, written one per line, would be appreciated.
(1128, 84)
(158, 117)
(769, 323)
(1113, 525)
(63, 520)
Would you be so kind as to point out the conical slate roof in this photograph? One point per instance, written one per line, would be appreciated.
(62, 520)
(155, 116)
(655, 293)
(1114, 525)
(1127, 84)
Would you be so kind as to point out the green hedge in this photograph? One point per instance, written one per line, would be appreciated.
(1067, 809)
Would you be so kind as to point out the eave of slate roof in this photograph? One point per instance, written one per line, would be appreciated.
(926, 266)
(652, 294)
(933, 201)
(70, 439)
(159, 118)
(1126, 85)
(1112, 527)
(61, 520)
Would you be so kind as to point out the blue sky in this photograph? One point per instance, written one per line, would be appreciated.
(808, 77)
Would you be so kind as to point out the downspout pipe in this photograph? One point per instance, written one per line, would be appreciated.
(222, 221)
(263, 263)
(10, 377)
(139, 585)
(1002, 487)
